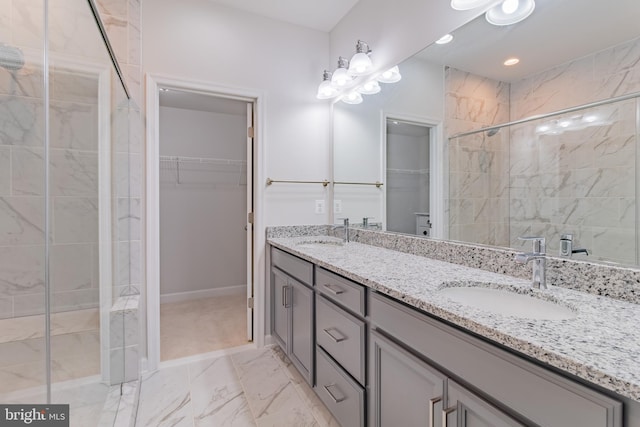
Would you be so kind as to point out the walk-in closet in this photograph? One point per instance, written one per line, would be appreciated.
(203, 235)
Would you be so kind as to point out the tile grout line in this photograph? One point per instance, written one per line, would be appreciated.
(189, 382)
(244, 389)
(301, 395)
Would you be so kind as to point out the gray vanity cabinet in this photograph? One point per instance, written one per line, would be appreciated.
(341, 333)
(403, 389)
(467, 409)
(292, 309)
(527, 391)
(280, 309)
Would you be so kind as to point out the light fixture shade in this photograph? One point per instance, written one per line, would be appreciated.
(369, 88)
(325, 89)
(469, 4)
(360, 64)
(510, 12)
(341, 77)
(352, 98)
(392, 75)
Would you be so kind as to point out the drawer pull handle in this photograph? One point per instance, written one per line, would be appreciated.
(445, 414)
(333, 396)
(334, 289)
(333, 336)
(432, 406)
(285, 296)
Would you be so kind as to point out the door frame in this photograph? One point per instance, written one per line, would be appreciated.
(152, 230)
(437, 179)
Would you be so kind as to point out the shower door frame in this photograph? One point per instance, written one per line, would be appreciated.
(151, 310)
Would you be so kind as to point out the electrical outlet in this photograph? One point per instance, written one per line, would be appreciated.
(337, 206)
(319, 206)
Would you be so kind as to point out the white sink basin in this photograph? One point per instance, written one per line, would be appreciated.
(508, 303)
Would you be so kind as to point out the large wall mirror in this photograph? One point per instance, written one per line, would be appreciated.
(472, 150)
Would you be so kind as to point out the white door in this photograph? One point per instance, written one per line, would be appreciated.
(249, 227)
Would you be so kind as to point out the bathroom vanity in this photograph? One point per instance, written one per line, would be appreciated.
(382, 343)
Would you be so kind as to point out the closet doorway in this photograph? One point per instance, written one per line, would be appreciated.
(205, 197)
(409, 185)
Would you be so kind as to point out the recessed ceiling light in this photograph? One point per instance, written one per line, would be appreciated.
(444, 39)
(511, 61)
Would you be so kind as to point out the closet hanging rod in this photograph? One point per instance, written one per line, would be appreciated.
(271, 181)
(378, 184)
(204, 160)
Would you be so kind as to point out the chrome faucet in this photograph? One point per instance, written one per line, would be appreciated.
(566, 246)
(345, 225)
(365, 222)
(539, 258)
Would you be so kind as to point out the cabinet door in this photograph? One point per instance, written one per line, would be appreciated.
(280, 300)
(405, 391)
(302, 315)
(466, 409)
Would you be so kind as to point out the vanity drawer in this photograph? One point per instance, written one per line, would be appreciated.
(293, 266)
(342, 396)
(348, 294)
(342, 335)
(545, 398)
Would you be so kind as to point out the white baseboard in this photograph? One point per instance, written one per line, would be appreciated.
(204, 293)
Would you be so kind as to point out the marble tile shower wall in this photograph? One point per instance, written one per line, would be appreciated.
(74, 160)
(121, 19)
(478, 165)
(580, 182)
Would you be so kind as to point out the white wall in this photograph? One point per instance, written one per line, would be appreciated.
(358, 139)
(202, 41)
(202, 218)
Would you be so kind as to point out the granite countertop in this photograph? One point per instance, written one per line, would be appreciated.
(601, 344)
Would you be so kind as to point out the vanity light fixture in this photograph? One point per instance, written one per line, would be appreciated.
(360, 63)
(511, 62)
(369, 88)
(326, 90)
(444, 39)
(352, 97)
(392, 75)
(341, 77)
(355, 78)
(510, 12)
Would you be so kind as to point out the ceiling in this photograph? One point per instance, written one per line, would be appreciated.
(318, 15)
(556, 32)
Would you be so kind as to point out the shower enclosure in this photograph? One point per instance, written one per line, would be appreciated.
(571, 173)
(67, 331)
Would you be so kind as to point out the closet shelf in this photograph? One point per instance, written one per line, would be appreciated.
(203, 171)
(409, 171)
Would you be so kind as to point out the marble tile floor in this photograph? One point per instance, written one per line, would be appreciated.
(86, 398)
(75, 349)
(201, 326)
(252, 387)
